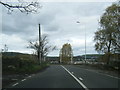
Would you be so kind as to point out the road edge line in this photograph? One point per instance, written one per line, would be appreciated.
(102, 73)
(76, 78)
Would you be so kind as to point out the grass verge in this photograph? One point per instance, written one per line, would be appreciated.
(10, 77)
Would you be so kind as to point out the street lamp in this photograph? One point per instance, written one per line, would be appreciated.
(85, 41)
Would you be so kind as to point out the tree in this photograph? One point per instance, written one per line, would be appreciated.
(22, 6)
(107, 37)
(5, 49)
(66, 53)
(45, 47)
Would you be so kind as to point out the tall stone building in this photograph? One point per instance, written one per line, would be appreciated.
(66, 54)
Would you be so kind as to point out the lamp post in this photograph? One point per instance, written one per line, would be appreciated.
(85, 45)
(85, 41)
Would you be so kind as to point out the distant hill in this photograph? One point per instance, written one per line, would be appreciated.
(53, 58)
(12, 53)
(93, 55)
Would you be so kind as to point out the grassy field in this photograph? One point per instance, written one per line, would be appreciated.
(16, 66)
(17, 63)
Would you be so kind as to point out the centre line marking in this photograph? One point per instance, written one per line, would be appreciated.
(23, 80)
(72, 73)
(80, 78)
(76, 79)
(29, 76)
(15, 84)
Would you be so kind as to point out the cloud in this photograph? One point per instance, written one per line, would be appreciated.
(14, 41)
(58, 21)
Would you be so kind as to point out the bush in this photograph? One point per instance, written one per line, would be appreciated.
(19, 64)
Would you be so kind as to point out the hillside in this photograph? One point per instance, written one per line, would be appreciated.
(12, 53)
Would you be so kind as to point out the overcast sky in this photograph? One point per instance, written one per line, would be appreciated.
(58, 21)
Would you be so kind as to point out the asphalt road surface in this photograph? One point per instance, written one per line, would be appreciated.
(67, 76)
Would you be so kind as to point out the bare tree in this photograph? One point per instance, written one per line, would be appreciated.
(22, 6)
(5, 49)
(45, 47)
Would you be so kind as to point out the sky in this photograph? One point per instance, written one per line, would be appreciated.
(58, 22)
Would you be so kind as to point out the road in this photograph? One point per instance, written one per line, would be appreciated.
(67, 76)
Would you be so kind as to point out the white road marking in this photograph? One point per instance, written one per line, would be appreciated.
(76, 79)
(80, 78)
(72, 72)
(111, 76)
(23, 80)
(29, 76)
(102, 73)
(15, 84)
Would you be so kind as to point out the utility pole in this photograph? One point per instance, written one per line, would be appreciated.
(40, 58)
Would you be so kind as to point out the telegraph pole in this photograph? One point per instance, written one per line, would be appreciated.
(40, 59)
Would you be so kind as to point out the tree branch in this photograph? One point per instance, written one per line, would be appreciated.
(28, 8)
